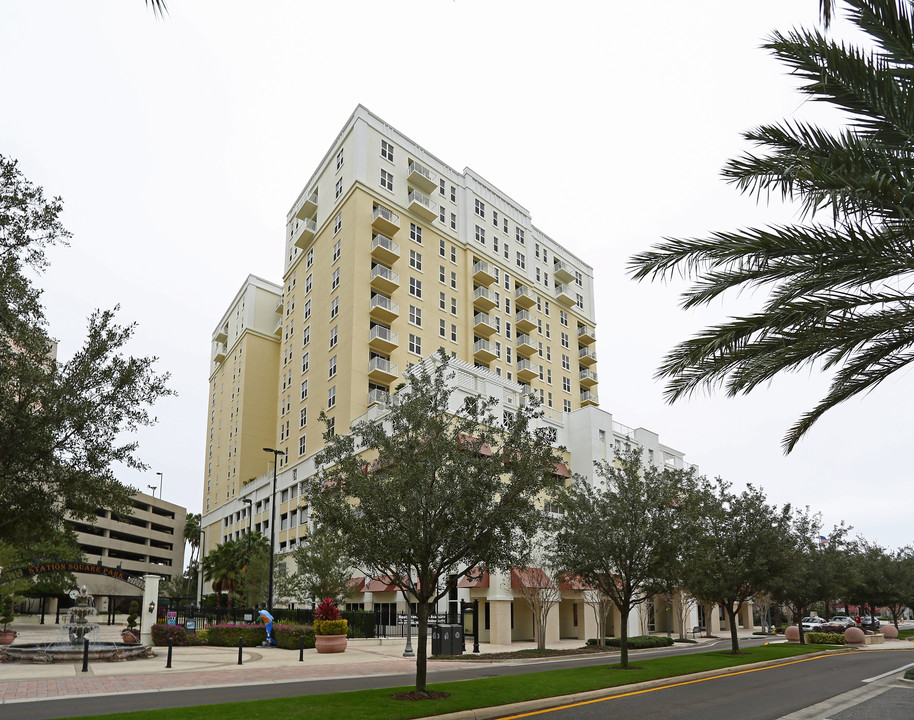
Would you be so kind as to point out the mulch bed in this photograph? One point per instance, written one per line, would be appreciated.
(525, 654)
(431, 695)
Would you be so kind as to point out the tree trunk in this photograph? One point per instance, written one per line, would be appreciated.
(731, 619)
(421, 641)
(623, 637)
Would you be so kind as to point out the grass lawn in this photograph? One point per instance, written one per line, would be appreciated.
(905, 634)
(377, 704)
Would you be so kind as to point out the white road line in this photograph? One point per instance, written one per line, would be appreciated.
(890, 672)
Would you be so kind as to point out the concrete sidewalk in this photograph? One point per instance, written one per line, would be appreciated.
(196, 667)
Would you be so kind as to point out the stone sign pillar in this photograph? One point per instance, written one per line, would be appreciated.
(150, 599)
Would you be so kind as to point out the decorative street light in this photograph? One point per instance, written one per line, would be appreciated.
(160, 484)
(276, 454)
(153, 488)
(200, 565)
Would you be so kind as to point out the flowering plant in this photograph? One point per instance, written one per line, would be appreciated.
(327, 619)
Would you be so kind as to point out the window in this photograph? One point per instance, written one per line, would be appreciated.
(566, 362)
(453, 333)
(338, 190)
(495, 243)
(301, 445)
(415, 287)
(566, 405)
(442, 276)
(507, 329)
(304, 389)
(480, 235)
(521, 260)
(415, 233)
(480, 208)
(334, 307)
(453, 306)
(579, 299)
(564, 338)
(566, 384)
(549, 401)
(578, 278)
(387, 180)
(563, 318)
(415, 344)
(387, 150)
(453, 254)
(546, 279)
(335, 279)
(549, 376)
(442, 301)
(337, 250)
(339, 159)
(305, 362)
(441, 188)
(453, 194)
(415, 260)
(337, 224)
(415, 315)
(442, 214)
(453, 221)
(309, 259)
(498, 349)
(334, 336)
(536, 250)
(331, 397)
(519, 235)
(504, 224)
(453, 280)
(442, 328)
(539, 350)
(303, 417)
(441, 248)
(508, 305)
(307, 309)
(548, 334)
(306, 336)
(332, 367)
(508, 357)
(495, 218)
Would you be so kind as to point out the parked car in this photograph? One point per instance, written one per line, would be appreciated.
(869, 623)
(813, 624)
(838, 624)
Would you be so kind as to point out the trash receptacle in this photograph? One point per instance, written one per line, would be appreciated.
(436, 640)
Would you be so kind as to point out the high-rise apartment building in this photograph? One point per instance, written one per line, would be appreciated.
(390, 254)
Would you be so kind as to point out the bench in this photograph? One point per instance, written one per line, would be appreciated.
(697, 630)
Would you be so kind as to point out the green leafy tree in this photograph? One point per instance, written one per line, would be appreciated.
(623, 535)
(63, 425)
(837, 297)
(435, 487)
(223, 567)
(738, 547)
(255, 568)
(323, 567)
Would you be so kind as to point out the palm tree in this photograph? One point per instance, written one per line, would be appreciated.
(158, 7)
(224, 567)
(192, 533)
(838, 294)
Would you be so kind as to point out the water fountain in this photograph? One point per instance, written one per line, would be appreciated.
(69, 645)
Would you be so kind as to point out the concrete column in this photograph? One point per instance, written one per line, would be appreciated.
(587, 622)
(712, 613)
(500, 622)
(746, 614)
(552, 625)
(147, 616)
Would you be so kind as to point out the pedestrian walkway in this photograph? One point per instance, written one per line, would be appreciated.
(196, 667)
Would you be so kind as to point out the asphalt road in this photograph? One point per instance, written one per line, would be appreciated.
(848, 686)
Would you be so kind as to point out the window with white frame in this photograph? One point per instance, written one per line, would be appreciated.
(578, 278)
(566, 384)
(334, 336)
(309, 259)
(415, 287)
(306, 336)
(563, 318)
(453, 333)
(308, 281)
(566, 405)
(453, 254)
(415, 260)
(415, 233)
(301, 445)
(453, 280)
(453, 221)
(579, 299)
(339, 159)
(564, 340)
(442, 328)
(331, 372)
(334, 307)
(495, 218)
(480, 208)
(415, 344)
(519, 235)
(305, 362)
(566, 362)
(387, 150)
(387, 180)
(441, 188)
(304, 389)
(442, 275)
(442, 248)
(442, 301)
(338, 189)
(331, 397)
(335, 280)
(521, 260)
(337, 250)
(480, 235)
(415, 315)
(337, 224)
(453, 306)
(307, 310)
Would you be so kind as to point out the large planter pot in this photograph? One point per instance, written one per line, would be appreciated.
(7, 637)
(130, 637)
(330, 643)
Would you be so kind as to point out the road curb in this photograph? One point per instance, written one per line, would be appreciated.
(526, 706)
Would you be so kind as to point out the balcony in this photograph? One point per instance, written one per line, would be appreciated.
(524, 321)
(385, 220)
(525, 345)
(586, 335)
(564, 295)
(524, 297)
(280, 304)
(483, 299)
(383, 309)
(384, 279)
(588, 377)
(378, 397)
(305, 233)
(308, 207)
(219, 354)
(483, 351)
(383, 249)
(382, 371)
(589, 398)
(562, 271)
(422, 205)
(483, 324)
(382, 339)
(421, 177)
(586, 356)
(527, 370)
(483, 273)
(222, 335)
(277, 329)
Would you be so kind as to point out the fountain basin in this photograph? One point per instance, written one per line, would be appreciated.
(65, 652)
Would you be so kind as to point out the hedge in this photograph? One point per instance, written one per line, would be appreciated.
(819, 638)
(178, 635)
(289, 636)
(638, 642)
(228, 635)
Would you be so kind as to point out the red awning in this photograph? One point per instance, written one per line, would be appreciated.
(560, 469)
(476, 578)
(530, 577)
(357, 584)
(380, 584)
(468, 441)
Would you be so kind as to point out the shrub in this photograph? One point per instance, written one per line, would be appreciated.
(638, 642)
(228, 635)
(685, 640)
(327, 610)
(331, 627)
(132, 615)
(178, 635)
(289, 636)
(818, 638)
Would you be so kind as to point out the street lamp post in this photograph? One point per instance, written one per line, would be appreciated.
(160, 484)
(153, 488)
(276, 454)
(200, 565)
(249, 503)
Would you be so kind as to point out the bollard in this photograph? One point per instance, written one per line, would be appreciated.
(170, 646)
(240, 645)
(85, 654)
(301, 648)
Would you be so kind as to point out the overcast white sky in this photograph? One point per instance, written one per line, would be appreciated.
(178, 146)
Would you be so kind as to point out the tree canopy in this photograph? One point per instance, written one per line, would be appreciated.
(435, 488)
(63, 425)
(837, 293)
